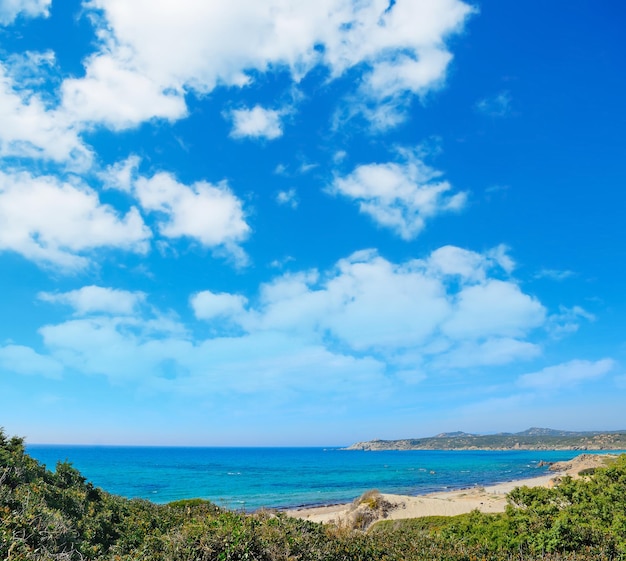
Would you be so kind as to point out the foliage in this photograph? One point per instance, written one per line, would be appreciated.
(60, 516)
(531, 439)
(576, 517)
(367, 509)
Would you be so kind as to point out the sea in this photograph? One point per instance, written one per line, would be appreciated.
(247, 479)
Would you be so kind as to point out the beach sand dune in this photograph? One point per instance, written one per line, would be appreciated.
(450, 503)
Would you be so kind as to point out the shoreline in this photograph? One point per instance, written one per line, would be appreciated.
(487, 499)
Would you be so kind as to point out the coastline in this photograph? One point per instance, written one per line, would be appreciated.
(488, 499)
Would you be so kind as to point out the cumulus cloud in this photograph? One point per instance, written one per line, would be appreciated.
(24, 360)
(267, 364)
(429, 310)
(121, 175)
(400, 196)
(119, 347)
(458, 311)
(425, 306)
(97, 299)
(55, 223)
(383, 98)
(566, 375)
(401, 48)
(29, 128)
(11, 9)
(256, 123)
(209, 214)
(490, 352)
(355, 327)
(494, 308)
(118, 95)
(454, 261)
(134, 76)
(209, 305)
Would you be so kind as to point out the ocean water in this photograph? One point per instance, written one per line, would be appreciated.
(252, 478)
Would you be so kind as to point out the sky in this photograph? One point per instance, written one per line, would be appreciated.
(295, 223)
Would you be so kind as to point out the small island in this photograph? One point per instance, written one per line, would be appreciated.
(530, 439)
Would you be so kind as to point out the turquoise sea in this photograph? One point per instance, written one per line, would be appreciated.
(251, 478)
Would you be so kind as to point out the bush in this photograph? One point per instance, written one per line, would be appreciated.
(46, 516)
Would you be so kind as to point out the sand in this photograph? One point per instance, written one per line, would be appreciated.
(450, 503)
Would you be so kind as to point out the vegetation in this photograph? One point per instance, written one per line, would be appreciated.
(578, 517)
(367, 509)
(58, 515)
(530, 439)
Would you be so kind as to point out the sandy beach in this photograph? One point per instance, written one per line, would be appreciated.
(485, 499)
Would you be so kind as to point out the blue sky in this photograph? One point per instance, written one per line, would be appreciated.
(310, 223)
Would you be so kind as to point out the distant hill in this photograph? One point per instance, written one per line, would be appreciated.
(453, 434)
(531, 439)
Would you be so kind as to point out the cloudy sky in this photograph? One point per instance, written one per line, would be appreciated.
(310, 223)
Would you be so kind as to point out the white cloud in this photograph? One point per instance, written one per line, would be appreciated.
(554, 274)
(450, 260)
(401, 48)
(31, 69)
(267, 364)
(423, 311)
(116, 94)
(97, 299)
(414, 304)
(347, 304)
(281, 263)
(209, 305)
(54, 223)
(121, 175)
(29, 128)
(407, 74)
(383, 100)
(567, 321)
(494, 351)
(380, 116)
(281, 169)
(289, 198)
(453, 261)
(11, 9)
(210, 214)
(135, 76)
(256, 123)
(494, 308)
(355, 330)
(500, 255)
(306, 167)
(399, 196)
(566, 375)
(24, 360)
(496, 106)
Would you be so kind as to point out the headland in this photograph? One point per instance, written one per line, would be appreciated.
(530, 439)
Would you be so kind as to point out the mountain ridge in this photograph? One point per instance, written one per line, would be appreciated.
(534, 438)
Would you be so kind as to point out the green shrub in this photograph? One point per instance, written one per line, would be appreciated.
(59, 516)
